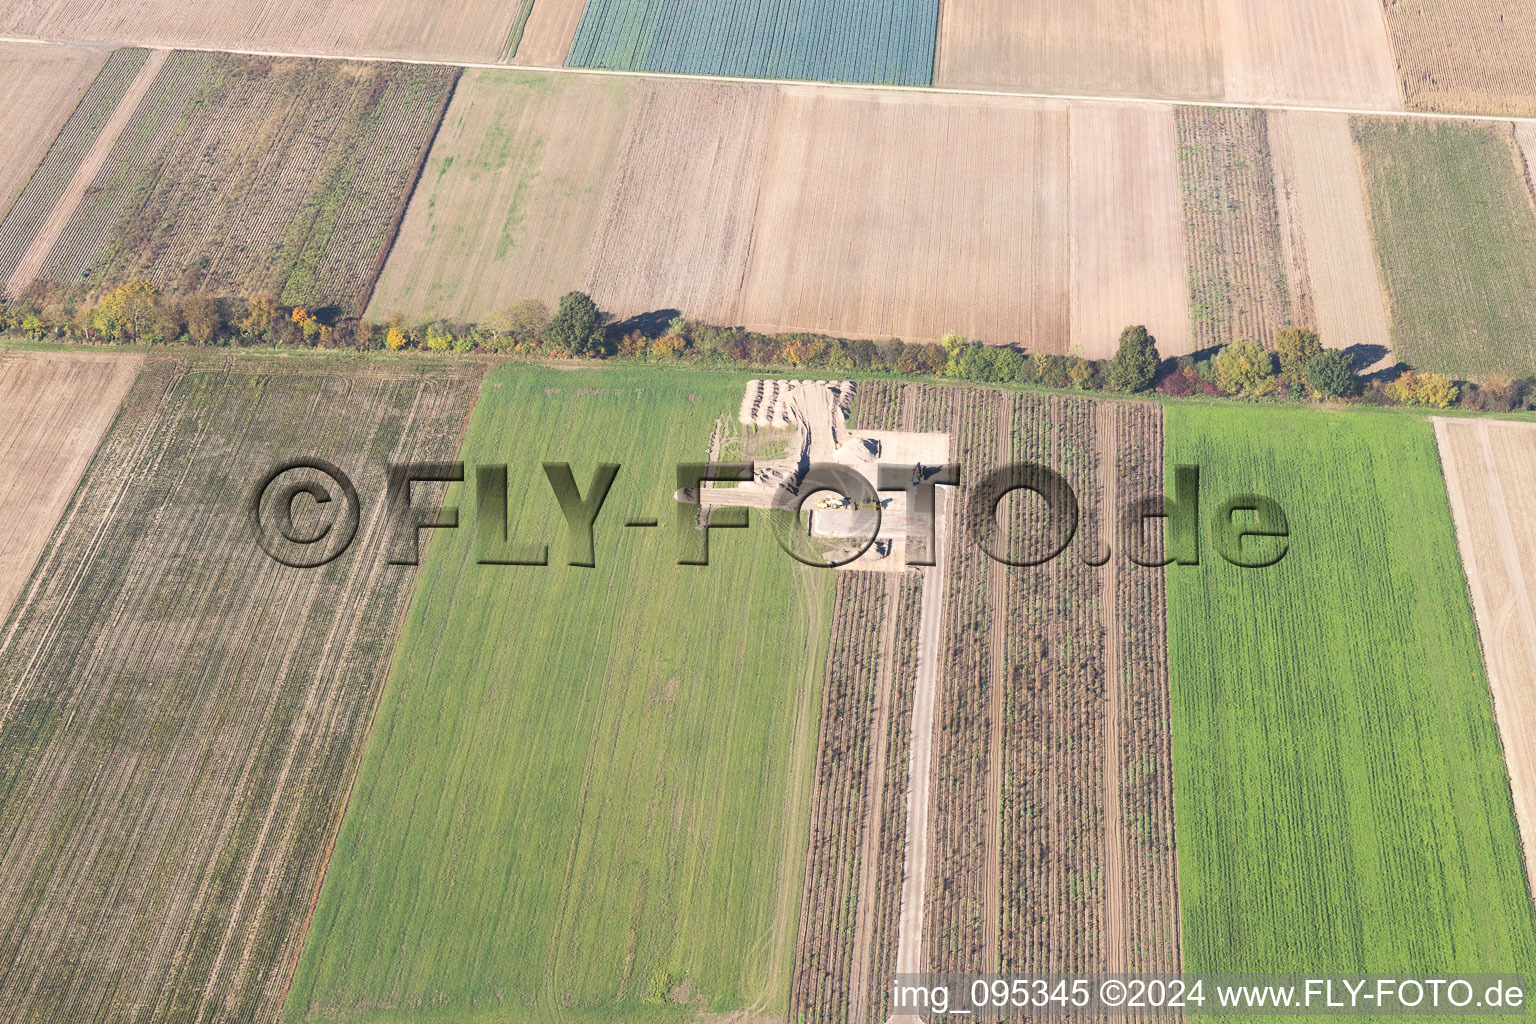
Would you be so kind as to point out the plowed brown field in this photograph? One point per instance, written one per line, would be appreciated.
(1316, 52)
(1127, 229)
(181, 715)
(1102, 47)
(53, 412)
(39, 86)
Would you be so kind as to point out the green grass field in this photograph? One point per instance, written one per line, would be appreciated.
(584, 788)
(1342, 799)
(1456, 241)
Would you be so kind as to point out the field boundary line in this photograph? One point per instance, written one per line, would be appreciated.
(1113, 100)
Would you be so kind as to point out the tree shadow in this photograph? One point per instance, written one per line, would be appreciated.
(653, 324)
(1368, 356)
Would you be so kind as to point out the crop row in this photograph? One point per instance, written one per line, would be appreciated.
(185, 714)
(824, 952)
(242, 175)
(1237, 281)
(30, 210)
(885, 41)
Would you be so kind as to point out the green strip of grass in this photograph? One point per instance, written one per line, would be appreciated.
(1456, 240)
(585, 788)
(1342, 800)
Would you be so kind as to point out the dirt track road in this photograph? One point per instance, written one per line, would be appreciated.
(1490, 477)
(925, 702)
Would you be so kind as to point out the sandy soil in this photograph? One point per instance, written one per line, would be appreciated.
(39, 87)
(1322, 171)
(1128, 262)
(677, 220)
(548, 34)
(1164, 48)
(53, 412)
(1325, 52)
(64, 209)
(912, 216)
(470, 30)
(1490, 475)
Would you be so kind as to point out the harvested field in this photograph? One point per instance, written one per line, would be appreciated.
(526, 840)
(1489, 474)
(468, 30)
(549, 32)
(1335, 283)
(1455, 231)
(1127, 230)
(1094, 47)
(315, 161)
(1237, 281)
(1299, 848)
(39, 88)
(1471, 57)
(790, 211)
(1311, 52)
(510, 197)
(26, 216)
(879, 41)
(678, 215)
(912, 216)
(183, 714)
(53, 412)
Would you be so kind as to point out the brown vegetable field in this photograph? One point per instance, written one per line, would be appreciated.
(183, 715)
(53, 411)
(315, 162)
(1237, 279)
(39, 88)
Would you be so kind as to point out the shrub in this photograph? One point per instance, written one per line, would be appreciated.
(1331, 373)
(1134, 367)
(1245, 369)
(1296, 347)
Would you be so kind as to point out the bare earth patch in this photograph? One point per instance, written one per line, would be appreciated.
(1127, 229)
(1312, 52)
(1163, 48)
(1322, 196)
(1490, 475)
(912, 216)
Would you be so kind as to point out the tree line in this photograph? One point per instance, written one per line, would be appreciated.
(1294, 364)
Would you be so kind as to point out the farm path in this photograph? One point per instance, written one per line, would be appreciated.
(869, 857)
(1488, 472)
(925, 700)
(1120, 99)
(32, 261)
(997, 643)
(1116, 955)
